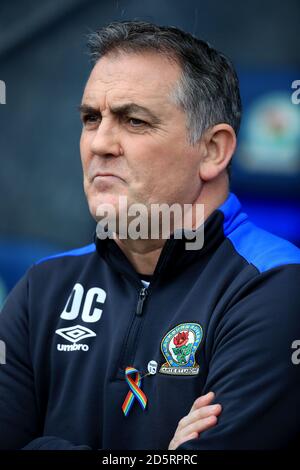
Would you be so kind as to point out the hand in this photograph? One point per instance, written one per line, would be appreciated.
(200, 418)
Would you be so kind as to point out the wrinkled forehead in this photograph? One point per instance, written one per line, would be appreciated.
(144, 77)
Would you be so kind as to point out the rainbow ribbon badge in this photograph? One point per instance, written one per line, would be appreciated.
(135, 390)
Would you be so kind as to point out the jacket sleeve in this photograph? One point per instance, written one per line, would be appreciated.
(53, 443)
(20, 422)
(251, 369)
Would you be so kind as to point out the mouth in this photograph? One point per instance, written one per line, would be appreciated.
(106, 178)
(103, 176)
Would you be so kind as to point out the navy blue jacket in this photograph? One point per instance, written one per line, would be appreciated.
(222, 318)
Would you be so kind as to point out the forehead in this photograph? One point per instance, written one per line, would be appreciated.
(146, 78)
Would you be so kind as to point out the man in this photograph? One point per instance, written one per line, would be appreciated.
(117, 344)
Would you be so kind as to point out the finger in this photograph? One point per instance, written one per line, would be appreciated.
(198, 426)
(203, 400)
(177, 442)
(198, 414)
(193, 430)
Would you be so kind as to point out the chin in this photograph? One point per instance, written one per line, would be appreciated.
(104, 203)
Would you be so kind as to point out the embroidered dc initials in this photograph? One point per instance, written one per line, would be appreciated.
(90, 313)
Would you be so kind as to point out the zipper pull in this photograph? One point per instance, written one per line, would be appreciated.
(142, 298)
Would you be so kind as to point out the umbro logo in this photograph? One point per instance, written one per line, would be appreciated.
(74, 334)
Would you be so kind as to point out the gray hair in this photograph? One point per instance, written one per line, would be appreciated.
(208, 90)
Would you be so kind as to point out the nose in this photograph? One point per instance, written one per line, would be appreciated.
(105, 142)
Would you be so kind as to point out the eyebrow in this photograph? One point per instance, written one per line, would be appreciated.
(121, 110)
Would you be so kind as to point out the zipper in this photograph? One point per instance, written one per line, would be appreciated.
(131, 342)
(129, 351)
(142, 298)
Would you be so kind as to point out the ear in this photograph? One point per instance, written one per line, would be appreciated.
(220, 144)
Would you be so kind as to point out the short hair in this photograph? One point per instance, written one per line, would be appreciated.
(208, 89)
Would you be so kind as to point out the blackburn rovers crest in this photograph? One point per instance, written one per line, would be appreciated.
(179, 347)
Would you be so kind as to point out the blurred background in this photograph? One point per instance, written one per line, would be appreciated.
(43, 69)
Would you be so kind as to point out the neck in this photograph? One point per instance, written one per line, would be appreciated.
(144, 254)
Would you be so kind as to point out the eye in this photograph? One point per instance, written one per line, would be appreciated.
(136, 122)
(90, 119)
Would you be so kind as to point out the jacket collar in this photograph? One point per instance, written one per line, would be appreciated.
(174, 256)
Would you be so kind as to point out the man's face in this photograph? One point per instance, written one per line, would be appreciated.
(134, 140)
